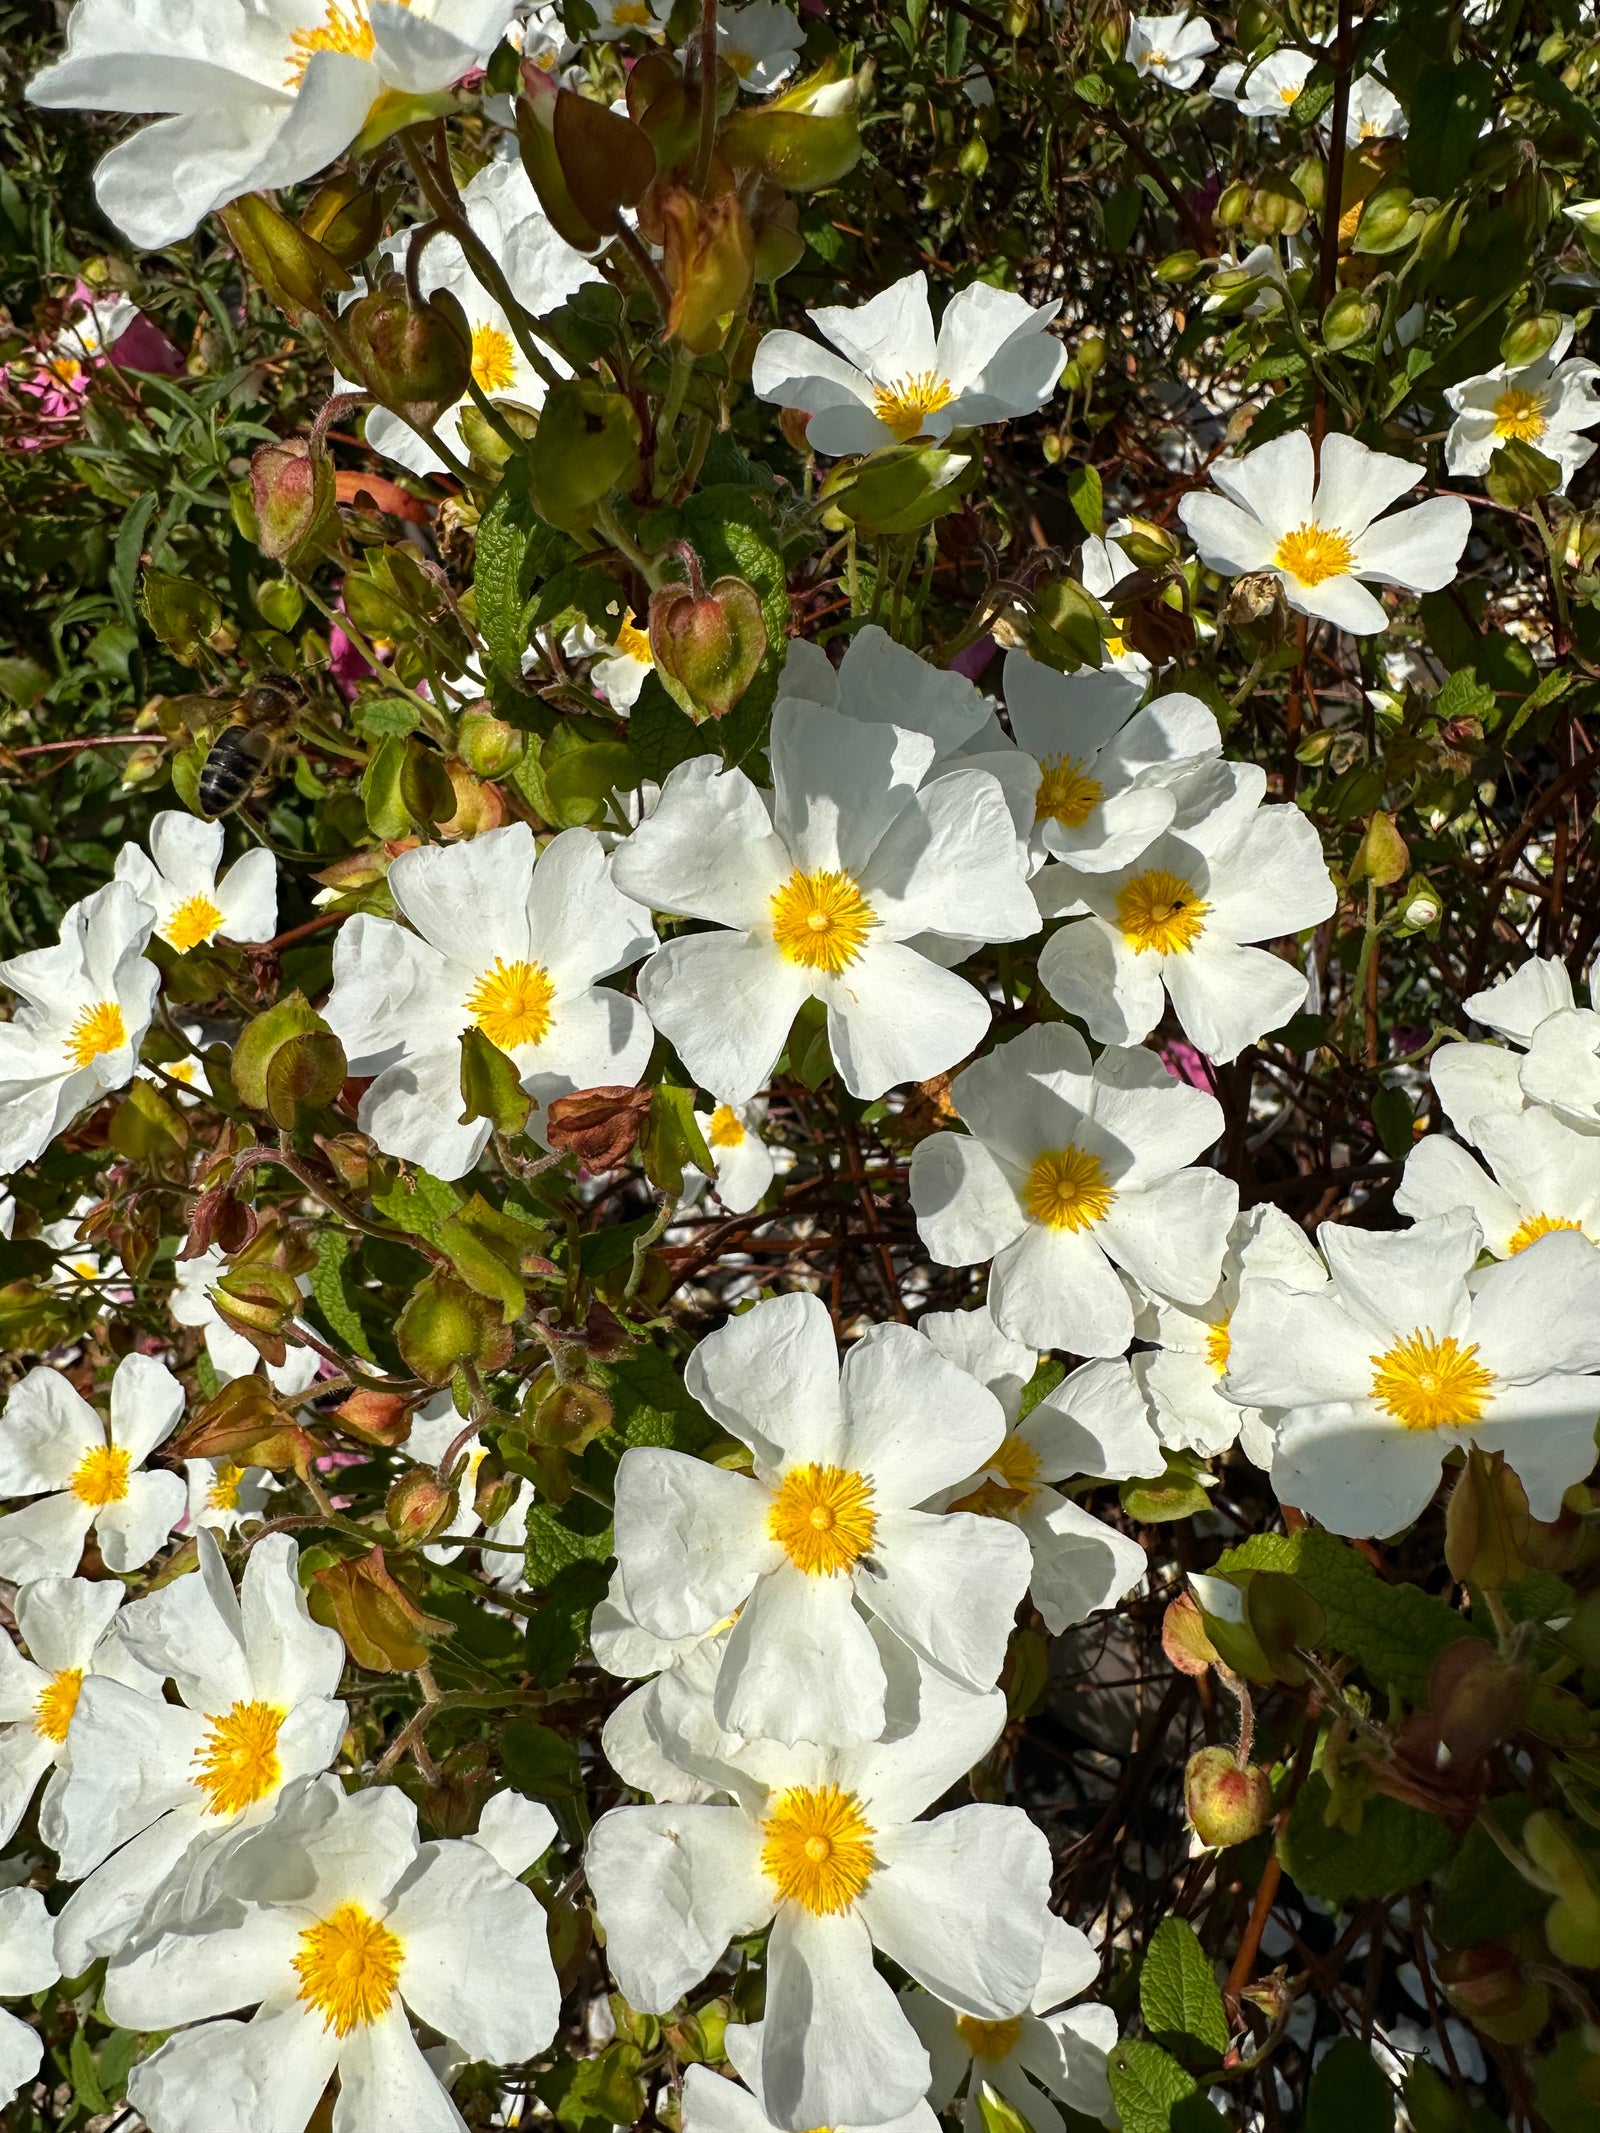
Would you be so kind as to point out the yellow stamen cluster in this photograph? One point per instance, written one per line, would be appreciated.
(1067, 1188)
(1009, 1477)
(823, 1519)
(1219, 1343)
(905, 404)
(1160, 911)
(57, 1700)
(238, 1759)
(348, 1967)
(1520, 414)
(101, 1475)
(1537, 1226)
(494, 360)
(511, 1003)
(727, 1128)
(1067, 794)
(818, 1848)
(989, 2040)
(1426, 1382)
(98, 1029)
(821, 921)
(1311, 553)
(340, 30)
(191, 924)
(223, 1494)
(633, 642)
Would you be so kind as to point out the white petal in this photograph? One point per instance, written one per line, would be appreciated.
(1420, 548)
(1080, 1564)
(515, 1831)
(708, 851)
(917, 1422)
(1226, 996)
(800, 1663)
(268, 2075)
(44, 1539)
(673, 1885)
(691, 1539)
(1356, 1471)
(1055, 1288)
(46, 1430)
(477, 1957)
(131, 1531)
(1172, 1235)
(836, 2049)
(948, 1583)
(1088, 968)
(966, 1208)
(770, 1376)
(385, 2081)
(960, 1903)
(726, 1001)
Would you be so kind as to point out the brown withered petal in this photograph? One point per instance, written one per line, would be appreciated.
(599, 1126)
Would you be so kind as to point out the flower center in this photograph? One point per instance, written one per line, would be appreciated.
(223, 1494)
(340, 30)
(1431, 1384)
(238, 1758)
(633, 642)
(1519, 414)
(1538, 1226)
(65, 369)
(905, 404)
(1152, 58)
(1008, 1482)
(511, 1004)
(821, 920)
(348, 1967)
(822, 1518)
(727, 1128)
(98, 1029)
(101, 1475)
(1161, 911)
(1067, 1188)
(634, 15)
(818, 1847)
(494, 361)
(989, 2040)
(1219, 1343)
(1066, 793)
(1312, 552)
(58, 1699)
(741, 62)
(193, 922)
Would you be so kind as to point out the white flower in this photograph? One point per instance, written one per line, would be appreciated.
(1374, 113)
(66, 1624)
(1546, 1176)
(1102, 565)
(883, 683)
(744, 1161)
(1321, 535)
(261, 93)
(85, 1474)
(761, 42)
(620, 663)
(1266, 91)
(1584, 215)
(619, 18)
(824, 1843)
(823, 884)
(994, 357)
(1080, 1564)
(1261, 266)
(189, 1070)
(152, 1786)
(1069, 1170)
(27, 1965)
(78, 1265)
(434, 1428)
(542, 269)
(1181, 1373)
(333, 1921)
(1042, 2045)
(232, 1355)
(179, 881)
(88, 338)
(1178, 920)
(85, 1005)
(1548, 404)
(1109, 772)
(510, 939)
(1474, 1081)
(825, 1521)
(1399, 1360)
(223, 1497)
(1172, 48)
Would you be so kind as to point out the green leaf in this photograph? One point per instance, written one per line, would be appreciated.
(652, 1405)
(559, 1626)
(1480, 1895)
(541, 1763)
(335, 1291)
(580, 1531)
(660, 735)
(1087, 498)
(419, 1204)
(1394, 1632)
(1153, 2094)
(672, 1138)
(579, 780)
(1568, 2087)
(1177, 1493)
(85, 2078)
(1394, 1119)
(1448, 108)
(1395, 1848)
(1349, 2093)
(126, 550)
(1179, 1996)
(514, 547)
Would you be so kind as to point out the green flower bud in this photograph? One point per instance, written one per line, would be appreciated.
(292, 488)
(418, 1506)
(803, 140)
(586, 446)
(486, 744)
(416, 360)
(1178, 267)
(257, 1053)
(345, 217)
(445, 1325)
(710, 642)
(1530, 338)
(293, 269)
(1233, 204)
(1227, 1803)
(1351, 316)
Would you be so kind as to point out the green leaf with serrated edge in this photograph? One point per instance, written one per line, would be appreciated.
(420, 1204)
(1480, 1895)
(1448, 108)
(85, 2077)
(1349, 2092)
(1153, 2094)
(1179, 1996)
(1395, 1848)
(661, 736)
(580, 1531)
(331, 1285)
(652, 1405)
(1394, 1632)
(514, 547)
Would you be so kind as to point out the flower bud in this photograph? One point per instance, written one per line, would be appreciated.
(418, 1506)
(901, 489)
(494, 1491)
(1277, 208)
(1310, 181)
(376, 1417)
(1529, 339)
(1233, 204)
(1352, 316)
(1147, 544)
(1178, 267)
(292, 488)
(1572, 1926)
(491, 1087)
(445, 1324)
(1486, 1522)
(1090, 355)
(1388, 220)
(382, 1626)
(415, 359)
(709, 641)
(1488, 1986)
(587, 445)
(345, 217)
(709, 261)
(585, 161)
(1227, 1803)
(1064, 626)
(478, 807)
(805, 139)
(246, 1425)
(292, 268)
(270, 1076)
(488, 745)
(1382, 856)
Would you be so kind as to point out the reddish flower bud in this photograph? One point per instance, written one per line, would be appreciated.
(1227, 1803)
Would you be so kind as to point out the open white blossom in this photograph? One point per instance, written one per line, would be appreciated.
(83, 1008)
(761, 42)
(1180, 1374)
(1080, 1564)
(826, 1845)
(1044, 2049)
(1548, 404)
(193, 904)
(154, 1787)
(255, 95)
(1069, 1169)
(66, 1624)
(744, 1160)
(1374, 113)
(87, 1475)
(542, 270)
(1400, 1359)
(622, 18)
(821, 887)
(621, 663)
(1266, 91)
(507, 938)
(1319, 529)
(825, 1525)
(334, 1921)
(27, 1965)
(434, 1428)
(1170, 48)
(1181, 923)
(232, 1355)
(1545, 1176)
(1474, 1081)
(223, 1497)
(894, 379)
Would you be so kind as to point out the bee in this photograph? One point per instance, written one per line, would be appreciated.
(242, 753)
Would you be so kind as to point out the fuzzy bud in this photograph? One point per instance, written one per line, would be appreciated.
(417, 359)
(710, 641)
(292, 488)
(487, 745)
(345, 217)
(444, 1325)
(1227, 1803)
(418, 1506)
